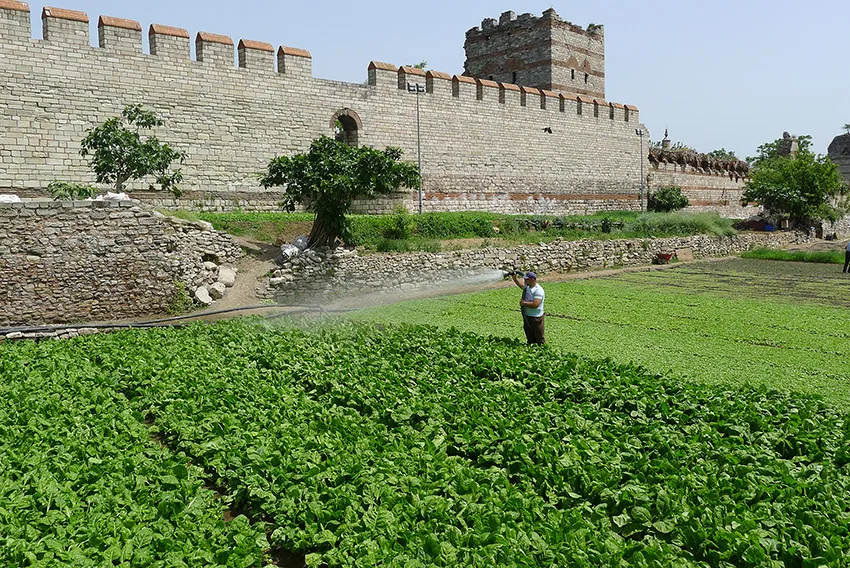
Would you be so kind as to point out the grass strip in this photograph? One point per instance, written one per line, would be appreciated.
(401, 231)
(823, 257)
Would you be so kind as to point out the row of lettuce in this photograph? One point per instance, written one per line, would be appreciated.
(397, 446)
(83, 484)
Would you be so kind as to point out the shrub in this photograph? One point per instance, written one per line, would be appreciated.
(407, 245)
(64, 191)
(181, 302)
(667, 199)
(400, 225)
(661, 224)
(456, 225)
(368, 230)
(510, 226)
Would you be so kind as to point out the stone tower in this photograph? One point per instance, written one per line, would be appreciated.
(839, 152)
(545, 52)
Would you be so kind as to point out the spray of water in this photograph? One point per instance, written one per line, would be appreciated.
(428, 285)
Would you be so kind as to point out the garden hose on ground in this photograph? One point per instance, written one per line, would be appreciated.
(47, 329)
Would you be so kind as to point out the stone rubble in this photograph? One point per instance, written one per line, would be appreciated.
(217, 290)
(203, 297)
(227, 276)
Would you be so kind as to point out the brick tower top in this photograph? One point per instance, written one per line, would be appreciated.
(544, 52)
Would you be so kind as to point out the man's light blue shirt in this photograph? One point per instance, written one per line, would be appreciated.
(528, 295)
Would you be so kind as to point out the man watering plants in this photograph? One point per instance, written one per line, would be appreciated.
(846, 258)
(532, 306)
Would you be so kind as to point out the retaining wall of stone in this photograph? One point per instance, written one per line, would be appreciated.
(326, 274)
(74, 261)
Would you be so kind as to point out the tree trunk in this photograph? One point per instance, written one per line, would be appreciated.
(320, 234)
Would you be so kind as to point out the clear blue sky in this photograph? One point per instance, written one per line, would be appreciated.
(725, 73)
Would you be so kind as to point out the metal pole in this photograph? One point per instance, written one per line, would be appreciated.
(639, 132)
(419, 148)
(417, 88)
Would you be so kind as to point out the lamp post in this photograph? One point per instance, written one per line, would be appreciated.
(639, 132)
(418, 88)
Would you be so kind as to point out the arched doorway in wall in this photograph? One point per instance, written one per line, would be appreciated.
(346, 126)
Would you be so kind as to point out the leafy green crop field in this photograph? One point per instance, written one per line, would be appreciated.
(402, 446)
(83, 484)
(778, 324)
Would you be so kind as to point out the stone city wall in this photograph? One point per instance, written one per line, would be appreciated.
(315, 274)
(485, 145)
(73, 261)
(718, 191)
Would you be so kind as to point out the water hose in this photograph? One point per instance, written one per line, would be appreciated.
(297, 309)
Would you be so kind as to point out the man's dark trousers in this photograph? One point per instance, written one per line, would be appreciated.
(534, 327)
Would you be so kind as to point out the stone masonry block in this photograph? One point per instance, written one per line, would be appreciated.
(509, 94)
(383, 75)
(14, 20)
(410, 75)
(214, 48)
(166, 41)
(464, 87)
(295, 62)
(118, 34)
(68, 27)
(439, 84)
(256, 55)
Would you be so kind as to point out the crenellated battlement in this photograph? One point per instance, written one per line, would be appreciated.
(387, 76)
(509, 21)
(119, 34)
(71, 28)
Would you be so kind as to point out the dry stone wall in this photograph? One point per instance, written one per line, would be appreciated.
(485, 145)
(316, 274)
(71, 261)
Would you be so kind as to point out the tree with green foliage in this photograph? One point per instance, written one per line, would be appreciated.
(330, 176)
(64, 191)
(723, 154)
(666, 200)
(804, 186)
(118, 154)
(846, 128)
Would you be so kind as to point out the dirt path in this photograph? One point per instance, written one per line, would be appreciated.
(252, 270)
